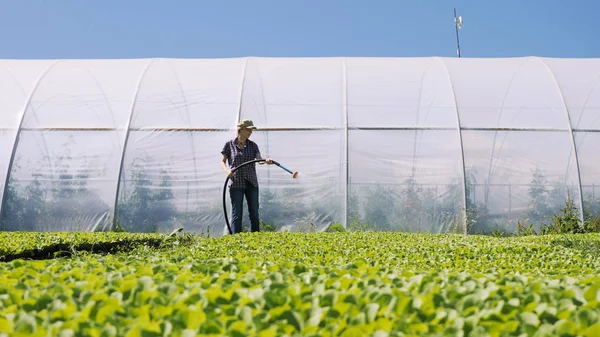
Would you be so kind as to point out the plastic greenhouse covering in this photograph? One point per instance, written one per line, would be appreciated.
(442, 145)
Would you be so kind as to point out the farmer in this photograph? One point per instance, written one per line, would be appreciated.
(243, 181)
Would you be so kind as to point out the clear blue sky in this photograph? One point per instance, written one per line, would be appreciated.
(227, 28)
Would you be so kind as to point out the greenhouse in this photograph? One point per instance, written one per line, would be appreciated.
(431, 144)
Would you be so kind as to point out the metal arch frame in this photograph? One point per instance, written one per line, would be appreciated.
(370, 128)
(462, 149)
(239, 110)
(264, 102)
(18, 136)
(568, 115)
(126, 141)
(346, 140)
(34, 116)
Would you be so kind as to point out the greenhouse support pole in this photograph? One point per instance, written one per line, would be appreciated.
(18, 138)
(509, 200)
(564, 102)
(126, 141)
(264, 101)
(462, 150)
(243, 80)
(346, 160)
(238, 117)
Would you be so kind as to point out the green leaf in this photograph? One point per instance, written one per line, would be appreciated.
(419, 327)
(108, 331)
(5, 325)
(294, 319)
(371, 311)
(588, 316)
(353, 331)
(592, 292)
(529, 318)
(66, 333)
(565, 327)
(25, 323)
(591, 331)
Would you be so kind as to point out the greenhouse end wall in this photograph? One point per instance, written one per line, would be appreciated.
(439, 145)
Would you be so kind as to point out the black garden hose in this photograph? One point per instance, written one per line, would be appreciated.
(294, 174)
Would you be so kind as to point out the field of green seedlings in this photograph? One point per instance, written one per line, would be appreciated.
(298, 284)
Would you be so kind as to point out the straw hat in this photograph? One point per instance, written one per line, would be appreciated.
(246, 124)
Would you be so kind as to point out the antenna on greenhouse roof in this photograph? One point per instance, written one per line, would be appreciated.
(458, 22)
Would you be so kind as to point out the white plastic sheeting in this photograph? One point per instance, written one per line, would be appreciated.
(414, 144)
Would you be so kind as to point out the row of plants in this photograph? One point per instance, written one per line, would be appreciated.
(46, 245)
